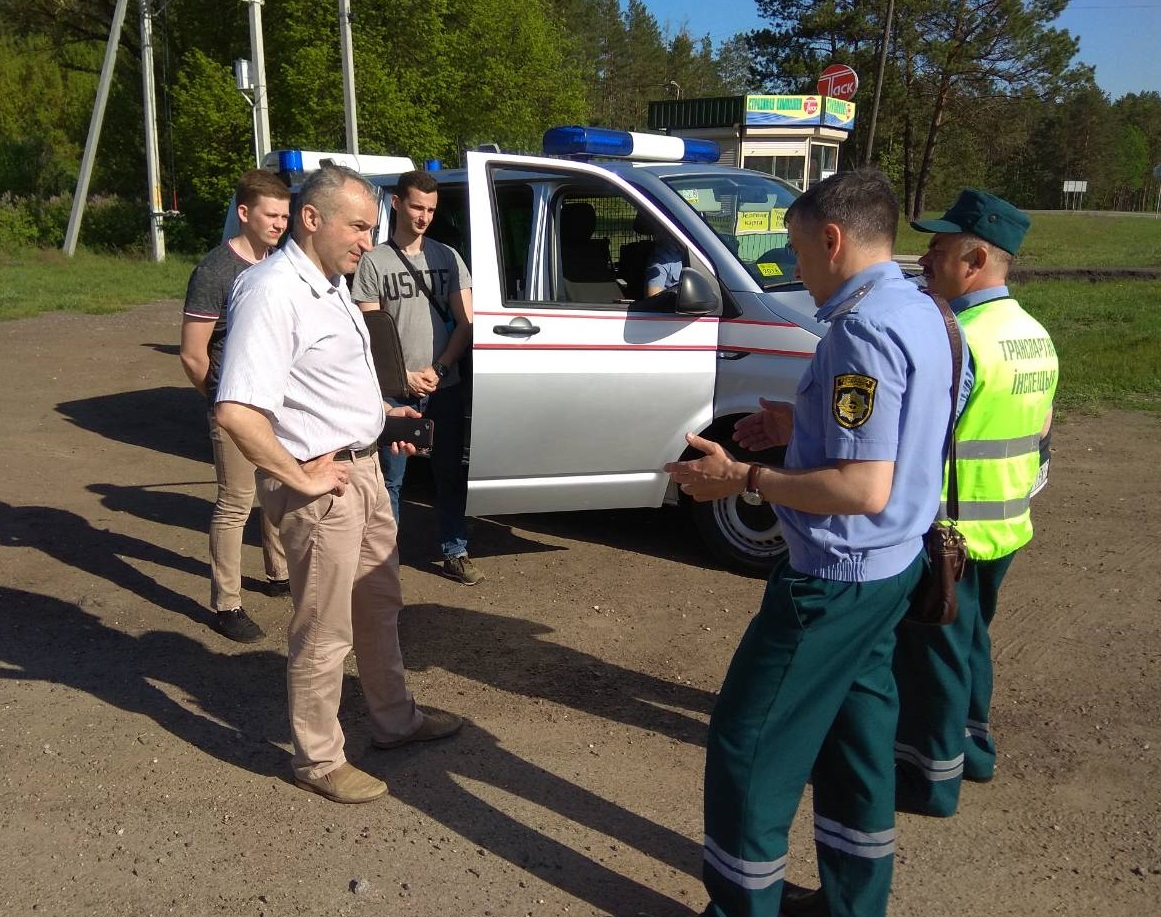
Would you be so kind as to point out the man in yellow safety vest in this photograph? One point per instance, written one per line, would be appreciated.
(944, 674)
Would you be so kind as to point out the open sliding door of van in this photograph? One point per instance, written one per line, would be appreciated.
(581, 393)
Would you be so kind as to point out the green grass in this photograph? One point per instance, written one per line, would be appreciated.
(1108, 339)
(44, 280)
(1072, 240)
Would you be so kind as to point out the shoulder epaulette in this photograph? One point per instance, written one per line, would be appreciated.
(851, 303)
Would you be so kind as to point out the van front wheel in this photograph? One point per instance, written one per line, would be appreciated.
(741, 536)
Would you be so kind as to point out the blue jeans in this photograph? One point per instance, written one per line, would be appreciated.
(446, 408)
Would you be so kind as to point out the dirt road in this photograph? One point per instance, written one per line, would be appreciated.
(145, 757)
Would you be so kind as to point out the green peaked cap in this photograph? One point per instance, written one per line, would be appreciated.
(991, 218)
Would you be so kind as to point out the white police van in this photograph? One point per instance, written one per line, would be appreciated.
(584, 386)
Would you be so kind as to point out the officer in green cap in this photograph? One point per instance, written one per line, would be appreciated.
(944, 674)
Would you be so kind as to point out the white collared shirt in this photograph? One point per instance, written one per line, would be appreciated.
(297, 349)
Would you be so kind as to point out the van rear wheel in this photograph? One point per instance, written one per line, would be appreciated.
(741, 536)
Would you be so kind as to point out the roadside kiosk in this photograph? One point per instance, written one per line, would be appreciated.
(795, 138)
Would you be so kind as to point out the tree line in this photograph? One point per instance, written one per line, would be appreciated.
(981, 92)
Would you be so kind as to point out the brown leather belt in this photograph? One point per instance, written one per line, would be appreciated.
(350, 454)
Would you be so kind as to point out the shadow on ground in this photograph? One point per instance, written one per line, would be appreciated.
(168, 419)
(237, 702)
(512, 654)
(73, 540)
(665, 532)
(235, 711)
(431, 780)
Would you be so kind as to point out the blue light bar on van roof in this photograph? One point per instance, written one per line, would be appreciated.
(290, 160)
(600, 141)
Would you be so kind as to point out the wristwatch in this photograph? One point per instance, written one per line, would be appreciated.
(752, 496)
(440, 369)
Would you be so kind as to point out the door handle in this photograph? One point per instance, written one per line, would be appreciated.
(518, 327)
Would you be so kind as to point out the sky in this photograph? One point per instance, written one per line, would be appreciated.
(1119, 39)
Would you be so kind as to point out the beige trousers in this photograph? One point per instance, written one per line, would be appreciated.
(231, 510)
(344, 578)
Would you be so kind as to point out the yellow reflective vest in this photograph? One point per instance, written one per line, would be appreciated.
(997, 437)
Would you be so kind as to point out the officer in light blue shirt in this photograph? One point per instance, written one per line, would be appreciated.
(867, 397)
(810, 693)
(664, 267)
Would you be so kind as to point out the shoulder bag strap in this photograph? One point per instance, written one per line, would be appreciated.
(444, 314)
(953, 337)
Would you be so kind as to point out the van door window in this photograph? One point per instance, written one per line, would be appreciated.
(591, 246)
(514, 202)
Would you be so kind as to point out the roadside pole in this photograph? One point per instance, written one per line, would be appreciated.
(152, 158)
(261, 107)
(348, 76)
(94, 138)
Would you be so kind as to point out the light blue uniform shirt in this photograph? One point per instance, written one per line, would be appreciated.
(878, 389)
(664, 267)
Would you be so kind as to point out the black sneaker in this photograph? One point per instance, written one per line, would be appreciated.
(239, 626)
(462, 569)
(278, 588)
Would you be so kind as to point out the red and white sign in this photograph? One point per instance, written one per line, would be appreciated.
(838, 81)
(810, 106)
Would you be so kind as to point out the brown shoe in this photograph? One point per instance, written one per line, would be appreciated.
(462, 569)
(346, 784)
(437, 724)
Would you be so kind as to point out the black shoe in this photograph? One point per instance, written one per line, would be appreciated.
(802, 902)
(278, 588)
(237, 625)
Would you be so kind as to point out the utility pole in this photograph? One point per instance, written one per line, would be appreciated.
(94, 138)
(261, 107)
(152, 158)
(348, 76)
(879, 80)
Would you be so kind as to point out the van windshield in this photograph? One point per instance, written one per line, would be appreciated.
(747, 210)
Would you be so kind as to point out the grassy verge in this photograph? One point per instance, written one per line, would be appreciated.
(1108, 338)
(1072, 240)
(44, 280)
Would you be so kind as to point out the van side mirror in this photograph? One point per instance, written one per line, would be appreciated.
(697, 294)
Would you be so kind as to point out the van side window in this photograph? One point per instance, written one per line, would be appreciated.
(605, 248)
(514, 224)
(570, 243)
(585, 227)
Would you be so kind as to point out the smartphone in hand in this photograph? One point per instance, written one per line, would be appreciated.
(415, 430)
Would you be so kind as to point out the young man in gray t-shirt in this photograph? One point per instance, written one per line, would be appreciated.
(263, 205)
(426, 287)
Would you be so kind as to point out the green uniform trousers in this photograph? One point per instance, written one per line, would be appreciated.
(944, 676)
(809, 695)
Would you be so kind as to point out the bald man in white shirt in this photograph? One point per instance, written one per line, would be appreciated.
(299, 396)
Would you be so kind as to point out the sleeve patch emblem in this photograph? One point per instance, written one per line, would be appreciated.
(853, 399)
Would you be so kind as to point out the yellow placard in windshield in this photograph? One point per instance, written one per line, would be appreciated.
(778, 219)
(770, 270)
(752, 221)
